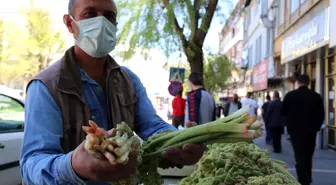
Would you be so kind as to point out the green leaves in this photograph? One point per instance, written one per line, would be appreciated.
(27, 49)
(170, 25)
(217, 70)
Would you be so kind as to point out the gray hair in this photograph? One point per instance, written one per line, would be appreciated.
(71, 6)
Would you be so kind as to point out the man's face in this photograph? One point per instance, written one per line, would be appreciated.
(86, 9)
(235, 98)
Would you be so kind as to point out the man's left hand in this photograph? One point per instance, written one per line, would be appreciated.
(189, 154)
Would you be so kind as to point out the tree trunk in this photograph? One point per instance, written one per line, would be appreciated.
(196, 61)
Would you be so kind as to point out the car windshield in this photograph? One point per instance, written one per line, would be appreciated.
(11, 114)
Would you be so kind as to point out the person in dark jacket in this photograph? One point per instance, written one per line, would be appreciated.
(264, 111)
(275, 121)
(232, 106)
(304, 112)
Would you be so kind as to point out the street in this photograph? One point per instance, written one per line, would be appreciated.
(324, 163)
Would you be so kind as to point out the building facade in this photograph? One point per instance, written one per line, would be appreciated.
(259, 24)
(231, 43)
(302, 36)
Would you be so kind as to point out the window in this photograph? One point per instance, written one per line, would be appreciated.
(302, 1)
(11, 115)
(294, 5)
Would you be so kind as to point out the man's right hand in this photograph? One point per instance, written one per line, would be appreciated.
(87, 166)
(190, 124)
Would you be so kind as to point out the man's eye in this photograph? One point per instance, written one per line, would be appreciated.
(90, 14)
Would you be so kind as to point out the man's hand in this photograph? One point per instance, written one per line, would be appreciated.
(89, 167)
(189, 154)
(190, 124)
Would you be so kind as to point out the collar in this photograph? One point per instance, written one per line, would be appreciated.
(70, 78)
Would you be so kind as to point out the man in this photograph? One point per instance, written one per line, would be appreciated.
(178, 106)
(264, 111)
(87, 84)
(201, 105)
(249, 101)
(232, 106)
(304, 112)
(275, 121)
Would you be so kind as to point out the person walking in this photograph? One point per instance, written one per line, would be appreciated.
(201, 105)
(178, 106)
(263, 112)
(232, 106)
(304, 112)
(275, 121)
(251, 102)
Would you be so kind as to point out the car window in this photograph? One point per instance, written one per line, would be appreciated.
(11, 115)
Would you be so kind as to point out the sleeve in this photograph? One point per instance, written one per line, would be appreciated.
(284, 106)
(42, 160)
(148, 122)
(320, 111)
(194, 103)
(174, 104)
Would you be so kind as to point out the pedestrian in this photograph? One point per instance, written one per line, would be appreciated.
(275, 121)
(263, 112)
(178, 106)
(201, 105)
(304, 112)
(87, 84)
(232, 106)
(251, 102)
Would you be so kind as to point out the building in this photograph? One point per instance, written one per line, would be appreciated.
(302, 45)
(231, 44)
(263, 70)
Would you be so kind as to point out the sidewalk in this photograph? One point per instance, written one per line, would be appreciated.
(324, 161)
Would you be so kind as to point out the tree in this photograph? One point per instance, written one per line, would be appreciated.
(217, 71)
(43, 41)
(172, 25)
(27, 49)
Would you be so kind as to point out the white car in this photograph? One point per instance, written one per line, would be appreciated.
(11, 136)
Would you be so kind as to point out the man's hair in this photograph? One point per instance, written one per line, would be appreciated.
(268, 97)
(276, 94)
(71, 6)
(249, 95)
(303, 79)
(196, 78)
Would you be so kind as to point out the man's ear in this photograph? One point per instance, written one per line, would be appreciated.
(71, 25)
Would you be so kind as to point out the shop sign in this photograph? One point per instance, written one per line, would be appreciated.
(260, 76)
(312, 35)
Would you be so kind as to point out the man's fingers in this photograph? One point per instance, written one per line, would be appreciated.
(191, 148)
(174, 154)
(111, 133)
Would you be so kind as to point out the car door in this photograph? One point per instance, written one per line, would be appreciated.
(11, 135)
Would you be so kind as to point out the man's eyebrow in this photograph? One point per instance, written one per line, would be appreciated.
(90, 8)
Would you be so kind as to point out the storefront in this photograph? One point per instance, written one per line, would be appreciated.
(330, 78)
(305, 51)
(259, 81)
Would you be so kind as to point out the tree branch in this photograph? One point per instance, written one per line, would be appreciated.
(194, 22)
(179, 32)
(206, 22)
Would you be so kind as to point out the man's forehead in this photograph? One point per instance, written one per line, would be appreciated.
(100, 5)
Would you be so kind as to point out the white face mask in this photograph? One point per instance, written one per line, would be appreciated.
(97, 36)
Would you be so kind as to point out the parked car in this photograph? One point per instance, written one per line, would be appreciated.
(11, 136)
